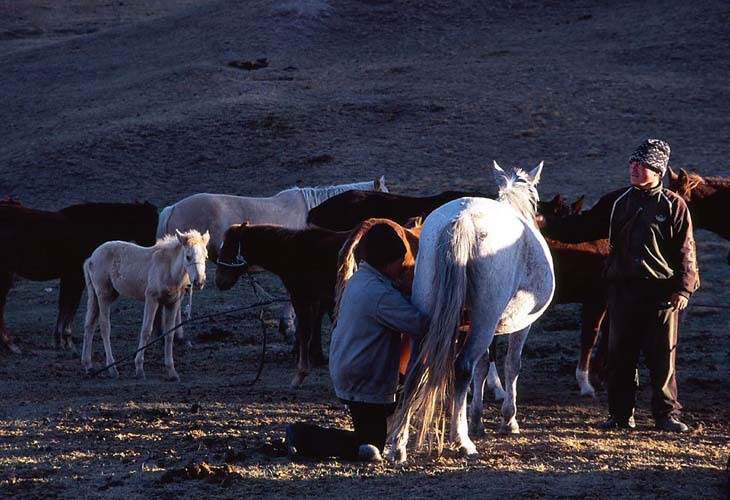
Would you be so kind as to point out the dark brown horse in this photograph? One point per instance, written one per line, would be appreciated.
(346, 210)
(708, 200)
(306, 261)
(41, 245)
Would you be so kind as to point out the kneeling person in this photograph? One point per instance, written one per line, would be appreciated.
(364, 354)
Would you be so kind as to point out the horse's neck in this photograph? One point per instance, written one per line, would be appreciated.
(708, 212)
(174, 264)
(268, 249)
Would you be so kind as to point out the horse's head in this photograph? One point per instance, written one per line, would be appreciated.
(519, 189)
(144, 226)
(230, 264)
(195, 253)
(558, 207)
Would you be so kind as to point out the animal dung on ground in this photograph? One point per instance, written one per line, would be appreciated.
(250, 65)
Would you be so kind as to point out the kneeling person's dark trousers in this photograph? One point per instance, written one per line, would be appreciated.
(369, 421)
(641, 322)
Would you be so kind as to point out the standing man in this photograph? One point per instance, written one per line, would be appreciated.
(651, 271)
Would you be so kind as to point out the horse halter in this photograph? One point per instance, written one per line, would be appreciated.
(238, 261)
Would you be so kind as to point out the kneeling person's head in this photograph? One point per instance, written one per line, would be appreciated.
(383, 249)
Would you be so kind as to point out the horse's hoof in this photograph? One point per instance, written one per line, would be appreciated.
(172, 376)
(139, 374)
(509, 428)
(587, 391)
(468, 452)
(112, 372)
(397, 455)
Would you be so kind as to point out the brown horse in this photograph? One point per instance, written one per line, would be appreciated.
(41, 245)
(306, 261)
(708, 200)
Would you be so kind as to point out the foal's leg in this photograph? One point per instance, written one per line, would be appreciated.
(105, 327)
(6, 282)
(493, 382)
(512, 365)
(169, 315)
(591, 318)
(70, 290)
(150, 309)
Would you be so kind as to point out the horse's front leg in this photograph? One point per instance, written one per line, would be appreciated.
(591, 318)
(70, 290)
(150, 309)
(170, 313)
(6, 282)
(305, 322)
(512, 365)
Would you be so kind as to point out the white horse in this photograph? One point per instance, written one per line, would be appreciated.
(488, 256)
(215, 213)
(157, 275)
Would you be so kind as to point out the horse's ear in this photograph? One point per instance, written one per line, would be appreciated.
(206, 237)
(535, 174)
(379, 184)
(672, 174)
(181, 237)
(577, 205)
(497, 169)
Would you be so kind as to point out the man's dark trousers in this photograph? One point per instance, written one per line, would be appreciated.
(641, 320)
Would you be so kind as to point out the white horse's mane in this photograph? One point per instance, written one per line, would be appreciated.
(520, 194)
(171, 240)
(316, 195)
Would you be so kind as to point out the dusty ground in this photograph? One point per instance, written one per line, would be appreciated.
(127, 100)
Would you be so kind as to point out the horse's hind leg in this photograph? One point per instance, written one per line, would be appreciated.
(475, 348)
(305, 321)
(71, 288)
(6, 282)
(512, 365)
(591, 318)
(493, 382)
(90, 323)
(169, 314)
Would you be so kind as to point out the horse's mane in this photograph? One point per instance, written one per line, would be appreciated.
(171, 240)
(313, 196)
(520, 194)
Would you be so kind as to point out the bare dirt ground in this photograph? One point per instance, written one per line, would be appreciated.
(129, 99)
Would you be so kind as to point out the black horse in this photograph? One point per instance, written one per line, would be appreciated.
(42, 245)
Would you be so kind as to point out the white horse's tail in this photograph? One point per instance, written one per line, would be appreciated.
(431, 377)
(163, 220)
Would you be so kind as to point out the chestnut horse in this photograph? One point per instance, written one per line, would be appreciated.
(708, 200)
(41, 245)
(306, 261)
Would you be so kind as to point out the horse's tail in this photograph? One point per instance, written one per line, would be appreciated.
(347, 261)
(164, 219)
(431, 378)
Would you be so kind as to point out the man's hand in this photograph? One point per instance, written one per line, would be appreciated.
(678, 301)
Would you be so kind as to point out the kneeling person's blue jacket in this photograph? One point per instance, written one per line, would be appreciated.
(365, 345)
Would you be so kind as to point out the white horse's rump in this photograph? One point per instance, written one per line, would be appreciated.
(156, 275)
(490, 257)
